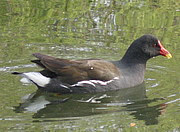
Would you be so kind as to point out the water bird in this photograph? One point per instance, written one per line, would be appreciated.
(96, 75)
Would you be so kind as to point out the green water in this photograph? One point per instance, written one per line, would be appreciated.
(76, 29)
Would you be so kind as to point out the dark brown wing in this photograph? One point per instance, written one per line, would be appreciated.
(72, 71)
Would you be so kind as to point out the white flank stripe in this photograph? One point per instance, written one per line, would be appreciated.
(81, 83)
(37, 78)
(63, 86)
(94, 82)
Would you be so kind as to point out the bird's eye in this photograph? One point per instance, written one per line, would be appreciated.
(155, 45)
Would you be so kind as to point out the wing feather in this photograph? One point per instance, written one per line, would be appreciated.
(72, 71)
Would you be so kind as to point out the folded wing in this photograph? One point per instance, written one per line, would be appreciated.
(73, 71)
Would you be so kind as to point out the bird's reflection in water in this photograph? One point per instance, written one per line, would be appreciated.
(51, 105)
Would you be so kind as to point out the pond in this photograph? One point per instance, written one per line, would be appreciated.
(76, 29)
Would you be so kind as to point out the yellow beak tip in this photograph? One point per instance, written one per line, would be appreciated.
(169, 56)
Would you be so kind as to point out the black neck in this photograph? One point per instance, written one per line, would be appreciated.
(134, 56)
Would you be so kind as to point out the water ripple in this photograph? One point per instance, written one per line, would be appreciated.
(8, 68)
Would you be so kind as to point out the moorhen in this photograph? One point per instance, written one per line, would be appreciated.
(96, 75)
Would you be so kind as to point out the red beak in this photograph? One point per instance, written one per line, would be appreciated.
(163, 51)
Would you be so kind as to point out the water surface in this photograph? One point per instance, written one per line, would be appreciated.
(88, 29)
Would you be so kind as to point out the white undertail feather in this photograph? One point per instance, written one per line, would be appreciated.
(36, 78)
(25, 80)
